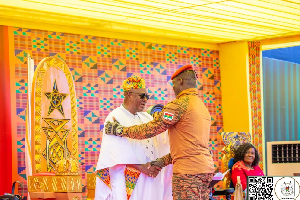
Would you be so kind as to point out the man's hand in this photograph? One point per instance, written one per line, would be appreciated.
(113, 128)
(157, 163)
(151, 171)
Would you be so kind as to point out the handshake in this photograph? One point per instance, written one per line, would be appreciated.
(151, 169)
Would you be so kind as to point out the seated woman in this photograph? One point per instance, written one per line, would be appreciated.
(246, 160)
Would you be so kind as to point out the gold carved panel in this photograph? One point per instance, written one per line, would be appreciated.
(54, 184)
(54, 122)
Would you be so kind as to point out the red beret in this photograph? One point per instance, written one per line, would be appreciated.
(184, 68)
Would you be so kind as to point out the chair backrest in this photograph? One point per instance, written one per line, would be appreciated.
(54, 132)
(231, 141)
(230, 165)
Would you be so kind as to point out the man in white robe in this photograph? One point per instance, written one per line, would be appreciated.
(123, 168)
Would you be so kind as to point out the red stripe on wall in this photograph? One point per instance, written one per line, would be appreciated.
(5, 115)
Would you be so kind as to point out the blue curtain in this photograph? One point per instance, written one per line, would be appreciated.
(281, 88)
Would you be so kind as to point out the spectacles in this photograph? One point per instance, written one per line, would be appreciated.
(142, 95)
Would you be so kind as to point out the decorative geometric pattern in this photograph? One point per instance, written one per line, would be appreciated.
(107, 103)
(195, 60)
(213, 121)
(104, 50)
(62, 56)
(146, 68)
(79, 102)
(255, 97)
(73, 47)
(159, 68)
(132, 53)
(219, 109)
(22, 31)
(21, 55)
(171, 57)
(131, 178)
(20, 146)
(159, 94)
(216, 62)
(98, 91)
(56, 35)
(147, 45)
(91, 117)
(208, 73)
(119, 64)
(21, 112)
(56, 100)
(118, 92)
(217, 87)
(90, 91)
(40, 44)
(199, 85)
(87, 39)
(117, 42)
(159, 47)
(22, 87)
(183, 50)
(56, 146)
(103, 174)
(206, 52)
(209, 98)
(89, 62)
(92, 145)
(77, 75)
(105, 76)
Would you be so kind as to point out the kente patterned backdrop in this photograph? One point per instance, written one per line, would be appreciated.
(255, 97)
(99, 66)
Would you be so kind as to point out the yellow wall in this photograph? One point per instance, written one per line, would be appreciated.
(234, 68)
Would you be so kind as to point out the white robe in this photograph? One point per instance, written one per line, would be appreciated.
(116, 152)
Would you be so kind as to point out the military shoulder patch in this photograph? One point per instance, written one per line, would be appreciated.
(168, 116)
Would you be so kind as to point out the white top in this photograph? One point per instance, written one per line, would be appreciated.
(116, 152)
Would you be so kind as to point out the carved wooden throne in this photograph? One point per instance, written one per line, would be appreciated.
(54, 136)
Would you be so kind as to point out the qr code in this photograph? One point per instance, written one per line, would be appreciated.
(260, 188)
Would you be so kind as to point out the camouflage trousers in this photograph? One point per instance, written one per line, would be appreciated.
(191, 186)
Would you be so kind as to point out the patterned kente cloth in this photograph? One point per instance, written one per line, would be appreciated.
(103, 174)
(133, 82)
(191, 186)
(131, 177)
